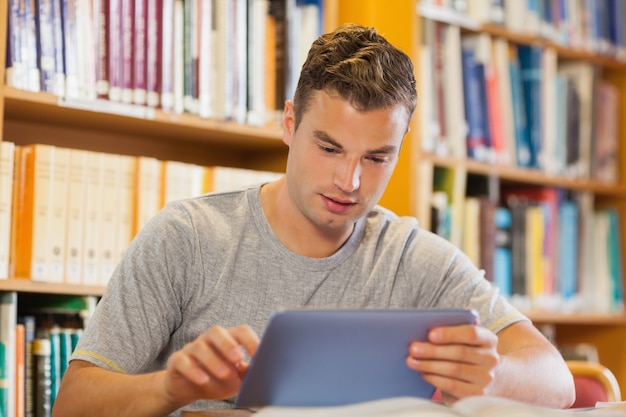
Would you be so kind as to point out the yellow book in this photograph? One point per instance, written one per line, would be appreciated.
(91, 231)
(108, 218)
(74, 234)
(125, 177)
(57, 216)
(147, 190)
(535, 273)
(7, 151)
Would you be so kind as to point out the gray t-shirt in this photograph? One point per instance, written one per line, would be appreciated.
(215, 260)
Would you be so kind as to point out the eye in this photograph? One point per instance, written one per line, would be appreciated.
(327, 149)
(377, 159)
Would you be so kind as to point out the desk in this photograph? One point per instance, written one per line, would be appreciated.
(217, 413)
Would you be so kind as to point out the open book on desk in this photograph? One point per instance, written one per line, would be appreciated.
(476, 406)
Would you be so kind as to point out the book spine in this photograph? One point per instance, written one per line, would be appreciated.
(102, 41)
(167, 56)
(75, 217)
(14, 66)
(30, 48)
(140, 52)
(205, 59)
(42, 351)
(29, 365)
(58, 216)
(45, 40)
(108, 220)
(70, 49)
(7, 158)
(153, 53)
(93, 195)
(114, 54)
(127, 32)
(178, 57)
(20, 369)
(59, 62)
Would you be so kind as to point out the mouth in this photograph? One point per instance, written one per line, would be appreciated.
(337, 205)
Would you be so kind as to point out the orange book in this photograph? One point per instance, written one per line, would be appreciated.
(33, 203)
(20, 367)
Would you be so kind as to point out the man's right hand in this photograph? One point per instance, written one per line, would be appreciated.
(211, 367)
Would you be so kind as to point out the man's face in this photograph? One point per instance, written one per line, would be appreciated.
(340, 159)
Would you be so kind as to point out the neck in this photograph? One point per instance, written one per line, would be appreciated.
(295, 231)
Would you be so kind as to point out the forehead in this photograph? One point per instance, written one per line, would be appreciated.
(340, 121)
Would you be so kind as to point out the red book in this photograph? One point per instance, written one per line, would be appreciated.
(115, 50)
(154, 48)
(140, 52)
(128, 23)
(102, 57)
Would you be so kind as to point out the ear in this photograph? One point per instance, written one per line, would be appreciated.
(289, 122)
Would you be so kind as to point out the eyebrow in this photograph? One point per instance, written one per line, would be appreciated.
(323, 136)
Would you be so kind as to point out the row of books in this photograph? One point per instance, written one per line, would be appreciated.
(544, 248)
(224, 59)
(67, 215)
(519, 105)
(37, 338)
(596, 26)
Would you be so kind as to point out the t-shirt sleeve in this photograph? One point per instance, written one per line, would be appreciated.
(439, 275)
(139, 311)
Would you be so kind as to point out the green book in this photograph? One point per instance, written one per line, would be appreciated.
(4, 383)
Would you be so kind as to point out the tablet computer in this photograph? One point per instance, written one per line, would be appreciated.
(335, 357)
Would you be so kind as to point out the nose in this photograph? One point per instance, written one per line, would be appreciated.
(348, 175)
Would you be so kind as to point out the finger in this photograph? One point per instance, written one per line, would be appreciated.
(246, 337)
(220, 340)
(466, 372)
(186, 367)
(465, 334)
(477, 355)
(453, 388)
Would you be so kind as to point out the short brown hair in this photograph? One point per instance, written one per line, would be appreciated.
(361, 66)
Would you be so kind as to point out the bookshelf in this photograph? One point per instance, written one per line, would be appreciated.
(27, 117)
(411, 186)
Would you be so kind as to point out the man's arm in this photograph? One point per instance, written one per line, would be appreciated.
(518, 363)
(210, 367)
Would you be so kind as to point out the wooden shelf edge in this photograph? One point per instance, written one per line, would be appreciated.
(138, 120)
(26, 285)
(577, 318)
(526, 176)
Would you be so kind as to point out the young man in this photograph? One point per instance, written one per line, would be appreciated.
(194, 292)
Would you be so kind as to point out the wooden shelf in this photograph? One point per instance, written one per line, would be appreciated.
(104, 115)
(467, 24)
(526, 176)
(592, 319)
(26, 285)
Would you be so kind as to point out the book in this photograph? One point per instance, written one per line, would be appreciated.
(20, 368)
(140, 52)
(473, 406)
(7, 151)
(153, 53)
(75, 207)
(45, 44)
(101, 22)
(8, 322)
(70, 48)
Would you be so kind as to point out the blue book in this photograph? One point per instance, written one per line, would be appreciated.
(530, 57)
(520, 121)
(473, 96)
(615, 261)
(45, 44)
(568, 249)
(502, 272)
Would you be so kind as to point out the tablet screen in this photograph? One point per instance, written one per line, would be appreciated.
(335, 357)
